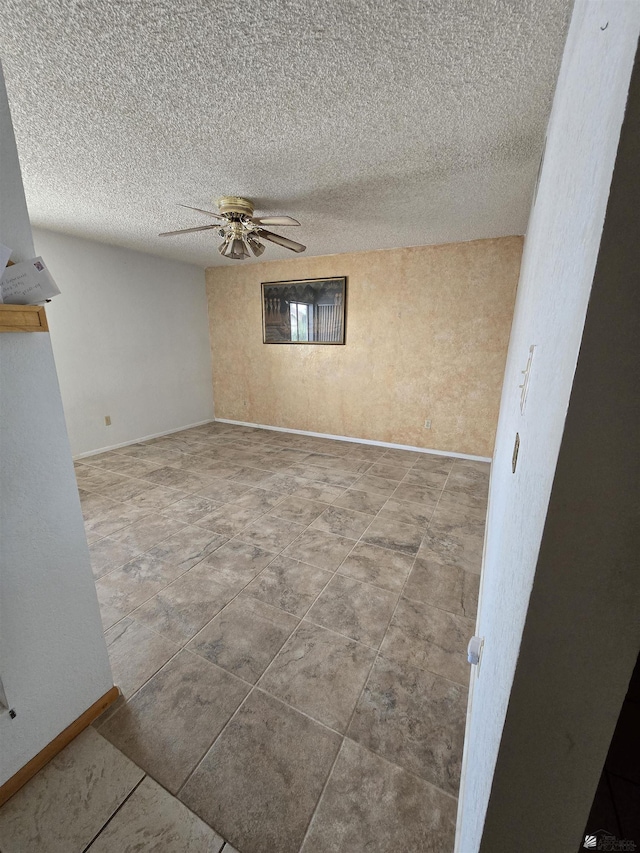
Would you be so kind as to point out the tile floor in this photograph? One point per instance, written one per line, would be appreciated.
(287, 618)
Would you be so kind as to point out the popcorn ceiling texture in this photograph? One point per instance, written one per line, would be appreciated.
(376, 124)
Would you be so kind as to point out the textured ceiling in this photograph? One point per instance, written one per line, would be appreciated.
(376, 123)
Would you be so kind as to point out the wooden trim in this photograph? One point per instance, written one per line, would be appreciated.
(23, 318)
(11, 786)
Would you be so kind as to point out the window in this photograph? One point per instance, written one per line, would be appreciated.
(301, 321)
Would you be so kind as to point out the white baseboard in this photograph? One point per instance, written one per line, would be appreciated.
(358, 440)
(138, 440)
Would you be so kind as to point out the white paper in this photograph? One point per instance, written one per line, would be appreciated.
(27, 283)
(5, 254)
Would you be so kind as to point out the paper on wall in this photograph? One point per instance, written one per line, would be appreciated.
(27, 283)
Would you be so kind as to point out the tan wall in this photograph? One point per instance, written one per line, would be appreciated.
(427, 335)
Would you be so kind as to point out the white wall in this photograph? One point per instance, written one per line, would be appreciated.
(543, 798)
(53, 658)
(131, 340)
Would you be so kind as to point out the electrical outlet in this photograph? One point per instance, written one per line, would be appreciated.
(107, 420)
(427, 423)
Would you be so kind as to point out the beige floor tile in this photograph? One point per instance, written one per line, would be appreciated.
(64, 805)
(111, 519)
(367, 452)
(192, 463)
(157, 498)
(110, 615)
(429, 638)
(368, 502)
(95, 479)
(187, 547)
(260, 778)
(176, 478)
(423, 495)
(386, 533)
(299, 510)
(378, 566)
(375, 485)
(271, 533)
(430, 462)
(431, 478)
(415, 719)
(321, 549)
(244, 637)
(97, 460)
(223, 490)
(147, 532)
(107, 554)
(460, 499)
(127, 490)
(220, 466)
(323, 475)
(251, 476)
(135, 654)
(372, 806)
(357, 610)
(345, 463)
(406, 458)
(267, 771)
(343, 522)
(406, 513)
(468, 480)
(181, 609)
(229, 519)
(152, 820)
(286, 483)
(259, 499)
(126, 588)
(236, 563)
(317, 491)
(170, 723)
(289, 585)
(93, 504)
(458, 515)
(455, 544)
(320, 673)
(325, 460)
(129, 465)
(190, 509)
(388, 471)
(271, 463)
(447, 587)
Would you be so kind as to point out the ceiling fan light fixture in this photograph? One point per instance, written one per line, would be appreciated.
(240, 230)
(255, 245)
(237, 249)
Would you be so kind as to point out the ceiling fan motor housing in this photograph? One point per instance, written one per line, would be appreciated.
(235, 204)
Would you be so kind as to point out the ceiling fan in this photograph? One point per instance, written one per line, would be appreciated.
(240, 229)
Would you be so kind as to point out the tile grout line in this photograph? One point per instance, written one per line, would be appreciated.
(235, 536)
(108, 821)
(334, 572)
(375, 659)
(361, 693)
(256, 685)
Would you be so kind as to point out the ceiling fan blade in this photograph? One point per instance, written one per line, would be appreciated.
(200, 210)
(281, 241)
(187, 230)
(275, 220)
